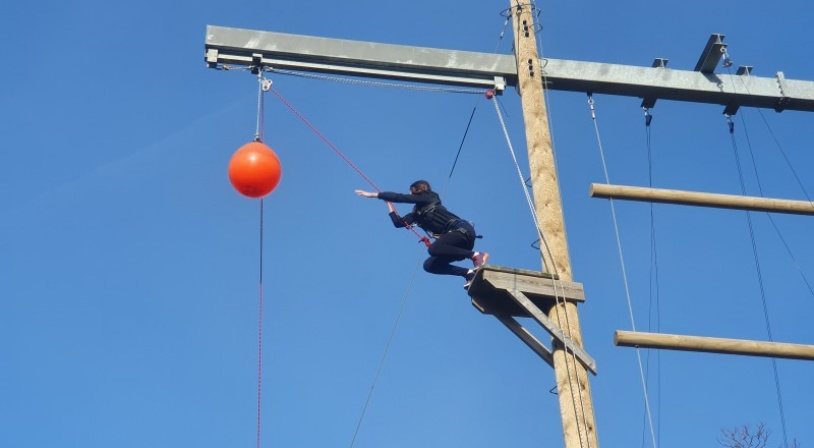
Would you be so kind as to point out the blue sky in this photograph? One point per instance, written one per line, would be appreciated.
(129, 265)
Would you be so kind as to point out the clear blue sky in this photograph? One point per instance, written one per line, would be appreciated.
(129, 265)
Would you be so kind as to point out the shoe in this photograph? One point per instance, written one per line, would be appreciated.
(479, 259)
(469, 277)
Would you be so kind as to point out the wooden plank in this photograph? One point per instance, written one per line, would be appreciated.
(714, 345)
(533, 283)
(681, 197)
(489, 290)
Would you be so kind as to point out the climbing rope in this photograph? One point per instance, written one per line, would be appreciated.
(386, 350)
(260, 335)
(622, 262)
(409, 227)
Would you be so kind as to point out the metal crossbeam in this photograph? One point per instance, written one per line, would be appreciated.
(354, 58)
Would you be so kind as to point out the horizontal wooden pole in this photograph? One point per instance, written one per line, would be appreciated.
(713, 345)
(729, 201)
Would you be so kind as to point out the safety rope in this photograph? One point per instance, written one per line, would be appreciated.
(260, 335)
(386, 349)
(622, 262)
(559, 298)
(422, 238)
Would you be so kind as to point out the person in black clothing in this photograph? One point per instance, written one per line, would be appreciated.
(454, 237)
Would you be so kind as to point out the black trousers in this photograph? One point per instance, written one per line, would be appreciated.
(455, 245)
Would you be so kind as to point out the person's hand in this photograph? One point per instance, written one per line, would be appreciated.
(367, 194)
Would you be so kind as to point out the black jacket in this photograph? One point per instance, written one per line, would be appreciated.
(428, 212)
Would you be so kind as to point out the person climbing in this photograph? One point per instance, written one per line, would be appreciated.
(454, 237)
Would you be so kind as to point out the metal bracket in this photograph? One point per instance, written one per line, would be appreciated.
(713, 52)
(744, 70)
(212, 57)
(784, 100)
(500, 84)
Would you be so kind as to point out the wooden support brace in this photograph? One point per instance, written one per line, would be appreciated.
(714, 345)
(728, 201)
(554, 330)
(526, 337)
(507, 293)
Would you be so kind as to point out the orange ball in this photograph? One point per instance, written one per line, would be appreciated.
(255, 170)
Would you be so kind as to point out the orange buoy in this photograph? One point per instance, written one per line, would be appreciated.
(255, 170)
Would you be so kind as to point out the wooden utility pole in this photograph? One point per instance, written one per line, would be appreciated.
(573, 389)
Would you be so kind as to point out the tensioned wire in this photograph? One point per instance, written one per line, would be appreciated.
(756, 257)
(777, 230)
(654, 285)
(779, 147)
(624, 270)
(761, 285)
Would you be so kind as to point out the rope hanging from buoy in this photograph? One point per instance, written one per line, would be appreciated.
(255, 171)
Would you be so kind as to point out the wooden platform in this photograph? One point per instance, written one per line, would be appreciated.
(507, 293)
(490, 290)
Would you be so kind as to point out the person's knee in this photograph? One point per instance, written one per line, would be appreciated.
(430, 265)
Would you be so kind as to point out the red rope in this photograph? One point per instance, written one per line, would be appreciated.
(423, 238)
(260, 333)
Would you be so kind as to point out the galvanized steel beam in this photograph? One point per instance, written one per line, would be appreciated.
(355, 58)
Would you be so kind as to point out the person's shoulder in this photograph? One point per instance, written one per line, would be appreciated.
(433, 195)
